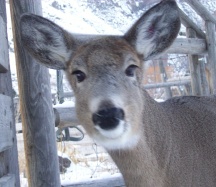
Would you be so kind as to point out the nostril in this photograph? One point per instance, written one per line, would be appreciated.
(119, 113)
(108, 118)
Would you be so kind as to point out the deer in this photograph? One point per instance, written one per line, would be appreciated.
(166, 144)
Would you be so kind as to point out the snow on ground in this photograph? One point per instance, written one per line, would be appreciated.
(66, 104)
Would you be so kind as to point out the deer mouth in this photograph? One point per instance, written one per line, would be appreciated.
(112, 133)
(120, 137)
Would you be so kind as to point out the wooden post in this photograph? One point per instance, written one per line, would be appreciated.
(194, 68)
(210, 37)
(6, 118)
(8, 181)
(168, 93)
(4, 65)
(211, 65)
(8, 158)
(36, 106)
(204, 82)
(60, 90)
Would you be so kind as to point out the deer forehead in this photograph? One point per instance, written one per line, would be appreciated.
(113, 53)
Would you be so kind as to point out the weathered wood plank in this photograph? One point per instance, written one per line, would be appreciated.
(9, 158)
(60, 90)
(194, 68)
(168, 92)
(65, 117)
(188, 46)
(7, 181)
(211, 42)
(108, 182)
(6, 118)
(167, 84)
(204, 82)
(201, 10)
(4, 65)
(36, 106)
(187, 22)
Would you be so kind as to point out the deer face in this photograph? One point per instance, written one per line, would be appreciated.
(106, 78)
(106, 72)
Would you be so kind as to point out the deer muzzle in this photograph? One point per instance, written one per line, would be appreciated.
(109, 118)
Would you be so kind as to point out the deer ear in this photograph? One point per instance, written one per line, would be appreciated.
(46, 41)
(156, 30)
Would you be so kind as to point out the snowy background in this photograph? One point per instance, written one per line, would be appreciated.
(97, 17)
(91, 17)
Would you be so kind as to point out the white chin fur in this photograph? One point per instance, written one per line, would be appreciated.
(119, 138)
(114, 133)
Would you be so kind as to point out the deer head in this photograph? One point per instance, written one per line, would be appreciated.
(105, 72)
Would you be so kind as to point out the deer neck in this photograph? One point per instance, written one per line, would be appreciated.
(138, 166)
(142, 165)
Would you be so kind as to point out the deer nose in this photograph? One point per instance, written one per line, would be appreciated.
(108, 118)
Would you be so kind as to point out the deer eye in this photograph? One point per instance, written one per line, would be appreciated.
(130, 71)
(80, 76)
